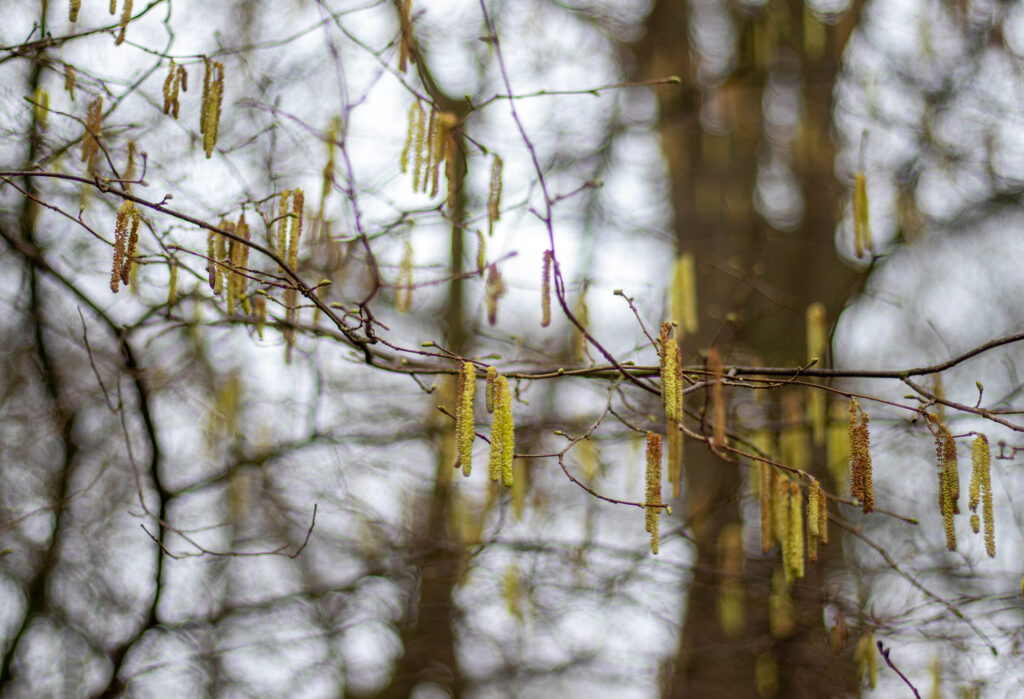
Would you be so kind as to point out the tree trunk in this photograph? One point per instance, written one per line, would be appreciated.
(754, 286)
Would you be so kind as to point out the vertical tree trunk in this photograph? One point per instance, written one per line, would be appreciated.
(755, 284)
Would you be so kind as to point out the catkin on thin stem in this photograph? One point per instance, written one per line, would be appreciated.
(653, 489)
(464, 422)
(545, 290)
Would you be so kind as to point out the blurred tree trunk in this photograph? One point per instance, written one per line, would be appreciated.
(755, 284)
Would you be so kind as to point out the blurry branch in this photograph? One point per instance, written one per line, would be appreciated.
(203, 551)
(885, 654)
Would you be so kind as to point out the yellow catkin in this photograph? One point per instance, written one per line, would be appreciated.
(764, 473)
(579, 340)
(494, 195)
(981, 462)
(295, 235)
(404, 283)
(494, 290)
(670, 385)
(492, 374)
(242, 264)
(120, 233)
(684, 294)
(481, 253)
(211, 259)
(259, 311)
(817, 349)
(220, 255)
(113, 7)
(511, 592)
(465, 424)
(129, 168)
(675, 456)
(213, 96)
(653, 489)
(718, 411)
(861, 221)
(865, 655)
(73, 10)
(41, 107)
(405, 34)
(813, 521)
(949, 482)
(172, 282)
(545, 290)
(172, 87)
(69, 80)
(502, 435)
(93, 126)
(132, 241)
(794, 550)
(432, 147)
(518, 489)
(861, 482)
(283, 216)
(420, 146)
(126, 15)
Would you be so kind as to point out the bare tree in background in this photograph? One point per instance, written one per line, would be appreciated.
(251, 248)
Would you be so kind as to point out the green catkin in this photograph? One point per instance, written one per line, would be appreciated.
(172, 283)
(464, 422)
(949, 482)
(259, 310)
(865, 655)
(981, 488)
(670, 385)
(684, 294)
(813, 520)
(653, 489)
(502, 434)
(494, 195)
(410, 137)
(492, 374)
(794, 551)
(545, 291)
(213, 96)
(861, 221)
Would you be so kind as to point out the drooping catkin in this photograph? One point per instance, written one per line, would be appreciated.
(172, 282)
(780, 509)
(172, 88)
(404, 34)
(494, 195)
(464, 422)
(283, 216)
(579, 340)
(653, 489)
(861, 482)
(949, 481)
(861, 220)
(494, 290)
(73, 10)
(412, 125)
(295, 234)
(981, 489)
(126, 238)
(684, 294)
(113, 7)
(126, 15)
(69, 80)
(672, 397)
(545, 290)
(866, 658)
(793, 550)
(817, 347)
(211, 260)
(717, 397)
(764, 473)
(492, 374)
(481, 252)
(404, 283)
(213, 96)
(93, 127)
(41, 108)
(502, 435)
(259, 311)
